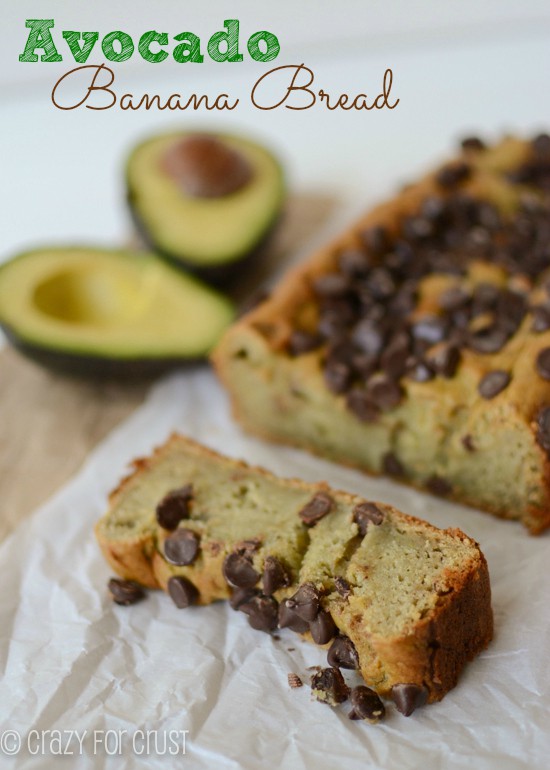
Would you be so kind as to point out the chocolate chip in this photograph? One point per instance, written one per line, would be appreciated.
(365, 514)
(444, 359)
(342, 586)
(342, 654)
(275, 575)
(472, 143)
(452, 174)
(430, 329)
(328, 686)
(543, 428)
(380, 283)
(305, 602)
(322, 628)
(125, 592)
(418, 370)
(181, 547)
(485, 297)
(353, 263)
(331, 285)
(438, 486)
(468, 443)
(541, 318)
(366, 704)
(488, 340)
(338, 376)
(376, 239)
(238, 570)
(317, 508)
(301, 342)
(369, 337)
(263, 613)
(383, 392)
(392, 466)
(417, 228)
(543, 363)
(174, 507)
(207, 167)
(359, 402)
(289, 619)
(364, 365)
(493, 383)
(408, 697)
(294, 681)
(182, 592)
(394, 359)
(240, 596)
(453, 299)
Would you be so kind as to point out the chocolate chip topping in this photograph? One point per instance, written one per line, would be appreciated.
(239, 571)
(305, 602)
(359, 402)
(125, 592)
(342, 654)
(383, 392)
(541, 318)
(181, 547)
(182, 592)
(240, 596)
(453, 174)
(408, 697)
(543, 428)
(318, 507)
(472, 143)
(275, 575)
(392, 466)
(262, 611)
(322, 627)
(381, 322)
(174, 507)
(207, 167)
(365, 514)
(444, 359)
(328, 686)
(289, 619)
(493, 383)
(438, 486)
(366, 704)
(468, 443)
(543, 363)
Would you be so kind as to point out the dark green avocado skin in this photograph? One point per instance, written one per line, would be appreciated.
(93, 367)
(223, 275)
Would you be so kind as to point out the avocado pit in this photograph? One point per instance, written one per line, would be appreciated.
(206, 167)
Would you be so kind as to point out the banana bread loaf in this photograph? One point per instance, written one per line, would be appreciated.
(418, 344)
(404, 602)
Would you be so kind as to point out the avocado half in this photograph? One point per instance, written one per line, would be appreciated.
(210, 235)
(97, 312)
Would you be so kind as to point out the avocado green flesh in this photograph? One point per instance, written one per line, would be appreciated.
(114, 305)
(203, 232)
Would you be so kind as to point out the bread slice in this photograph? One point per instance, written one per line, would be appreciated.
(418, 343)
(413, 600)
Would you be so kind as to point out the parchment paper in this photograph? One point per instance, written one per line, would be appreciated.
(73, 661)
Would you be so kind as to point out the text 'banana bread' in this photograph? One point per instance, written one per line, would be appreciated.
(404, 602)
